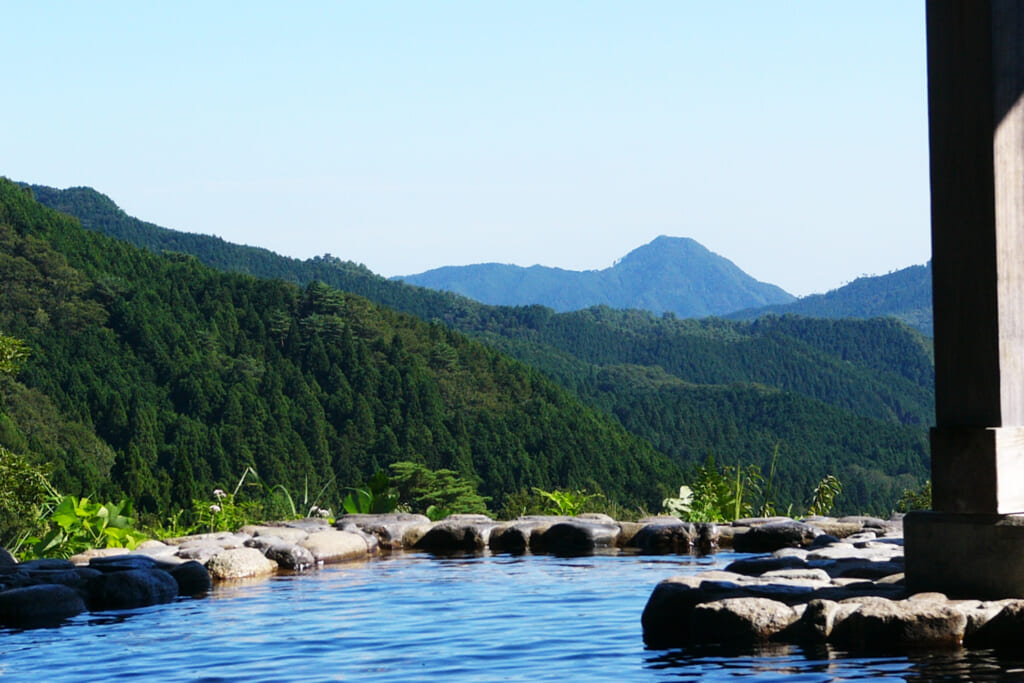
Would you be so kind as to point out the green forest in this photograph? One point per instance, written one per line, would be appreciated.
(161, 379)
(836, 396)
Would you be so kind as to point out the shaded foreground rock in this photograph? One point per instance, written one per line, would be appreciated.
(40, 605)
(130, 588)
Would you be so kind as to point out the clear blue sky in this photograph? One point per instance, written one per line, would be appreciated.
(789, 137)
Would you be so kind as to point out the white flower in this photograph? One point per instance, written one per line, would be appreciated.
(218, 494)
(215, 509)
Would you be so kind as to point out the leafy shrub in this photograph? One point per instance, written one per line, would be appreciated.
(436, 493)
(77, 524)
(378, 497)
(24, 492)
(251, 501)
(916, 499)
(566, 502)
(722, 493)
(824, 495)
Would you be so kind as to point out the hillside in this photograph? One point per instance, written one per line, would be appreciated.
(161, 378)
(671, 274)
(846, 396)
(905, 295)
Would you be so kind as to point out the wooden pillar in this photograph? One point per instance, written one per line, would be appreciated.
(976, 140)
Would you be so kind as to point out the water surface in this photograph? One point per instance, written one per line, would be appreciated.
(414, 617)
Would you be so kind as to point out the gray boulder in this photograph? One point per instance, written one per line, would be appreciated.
(575, 537)
(881, 624)
(288, 555)
(331, 545)
(666, 616)
(769, 537)
(755, 566)
(122, 562)
(515, 536)
(239, 563)
(14, 577)
(192, 578)
(389, 529)
(740, 620)
(834, 527)
(1001, 630)
(664, 537)
(308, 524)
(458, 533)
(290, 534)
(72, 578)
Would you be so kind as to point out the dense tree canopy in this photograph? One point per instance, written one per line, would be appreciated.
(161, 378)
(852, 397)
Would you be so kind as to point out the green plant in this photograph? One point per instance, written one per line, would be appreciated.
(77, 524)
(566, 502)
(916, 499)
(378, 497)
(767, 508)
(824, 495)
(720, 494)
(679, 507)
(225, 512)
(279, 504)
(437, 492)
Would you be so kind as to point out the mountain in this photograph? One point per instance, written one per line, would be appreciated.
(161, 378)
(671, 274)
(847, 397)
(905, 295)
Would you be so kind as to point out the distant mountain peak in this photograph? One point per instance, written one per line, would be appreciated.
(669, 274)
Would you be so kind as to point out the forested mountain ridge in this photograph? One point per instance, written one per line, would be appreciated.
(670, 274)
(849, 397)
(905, 295)
(160, 378)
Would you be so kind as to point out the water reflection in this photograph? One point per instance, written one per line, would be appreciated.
(777, 662)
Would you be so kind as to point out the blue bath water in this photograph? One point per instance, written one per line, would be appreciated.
(414, 617)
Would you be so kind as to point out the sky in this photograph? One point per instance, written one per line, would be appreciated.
(789, 137)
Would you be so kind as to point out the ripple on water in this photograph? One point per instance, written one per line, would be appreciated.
(412, 617)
